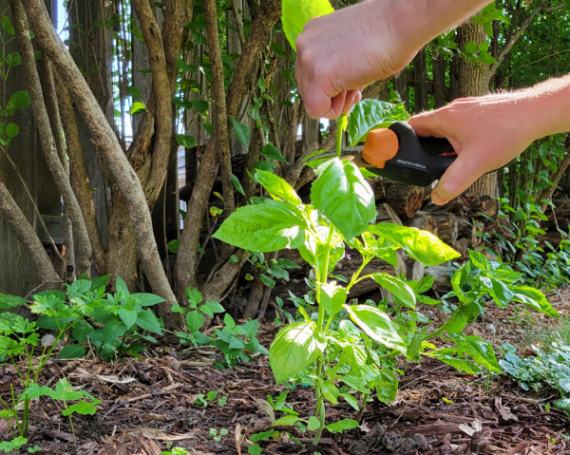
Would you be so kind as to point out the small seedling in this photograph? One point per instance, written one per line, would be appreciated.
(218, 435)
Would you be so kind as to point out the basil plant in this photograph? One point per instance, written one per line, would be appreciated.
(346, 349)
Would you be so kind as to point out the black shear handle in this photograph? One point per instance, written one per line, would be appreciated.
(442, 154)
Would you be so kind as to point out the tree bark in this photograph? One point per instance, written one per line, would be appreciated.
(220, 140)
(79, 176)
(27, 235)
(474, 79)
(104, 137)
(47, 140)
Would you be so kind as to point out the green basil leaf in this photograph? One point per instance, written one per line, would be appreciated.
(535, 299)
(315, 253)
(386, 386)
(296, 13)
(480, 351)
(313, 424)
(332, 298)
(277, 187)
(461, 317)
(397, 287)
(370, 114)
(422, 246)
(296, 347)
(343, 195)
(377, 325)
(287, 421)
(263, 228)
(343, 425)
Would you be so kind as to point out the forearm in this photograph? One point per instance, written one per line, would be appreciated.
(418, 22)
(547, 106)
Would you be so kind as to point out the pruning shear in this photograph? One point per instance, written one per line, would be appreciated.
(398, 154)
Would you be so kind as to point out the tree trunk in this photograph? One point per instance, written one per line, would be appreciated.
(474, 79)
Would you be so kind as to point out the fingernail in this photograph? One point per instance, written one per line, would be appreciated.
(438, 200)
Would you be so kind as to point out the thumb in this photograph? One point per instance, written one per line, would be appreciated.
(428, 123)
(459, 176)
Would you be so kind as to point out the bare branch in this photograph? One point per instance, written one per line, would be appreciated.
(219, 112)
(27, 235)
(47, 140)
(265, 19)
(105, 139)
(162, 90)
(79, 175)
(514, 38)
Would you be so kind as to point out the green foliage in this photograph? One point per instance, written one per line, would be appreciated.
(237, 342)
(196, 313)
(371, 114)
(296, 13)
(342, 194)
(13, 445)
(218, 435)
(296, 347)
(517, 239)
(265, 227)
(111, 323)
(345, 349)
(20, 339)
(547, 370)
(175, 451)
(74, 401)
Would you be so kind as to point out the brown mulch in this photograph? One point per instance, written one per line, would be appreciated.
(149, 405)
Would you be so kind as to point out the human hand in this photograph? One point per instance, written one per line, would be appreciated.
(487, 133)
(339, 54)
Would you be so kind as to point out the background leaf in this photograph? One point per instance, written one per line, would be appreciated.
(296, 14)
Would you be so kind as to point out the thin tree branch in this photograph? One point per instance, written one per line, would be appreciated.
(162, 90)
(514, 38)
(47, 140)
(219, 113)
(555, 179)
(267, 16)
(105, 139)
(27, 235)
(79, 175)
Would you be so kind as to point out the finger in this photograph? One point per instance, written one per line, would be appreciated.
(318, 104)
(353, 97)
(337, 105)
(429, 124)
(459, 176)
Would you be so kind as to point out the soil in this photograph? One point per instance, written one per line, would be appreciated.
(149, 405)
